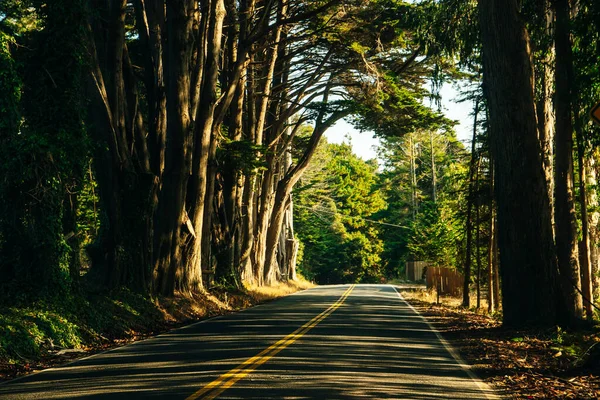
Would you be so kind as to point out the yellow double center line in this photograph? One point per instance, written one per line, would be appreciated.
(228, 379)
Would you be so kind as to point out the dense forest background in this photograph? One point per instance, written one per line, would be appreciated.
(163, 147)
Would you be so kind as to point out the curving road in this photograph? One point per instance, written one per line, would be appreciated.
(331, 342)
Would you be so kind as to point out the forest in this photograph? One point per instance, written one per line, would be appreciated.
(163, 148)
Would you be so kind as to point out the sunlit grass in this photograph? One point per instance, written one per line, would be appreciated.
(280, 289)
(430, 296)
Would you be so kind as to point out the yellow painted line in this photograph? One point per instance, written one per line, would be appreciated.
(230, 378)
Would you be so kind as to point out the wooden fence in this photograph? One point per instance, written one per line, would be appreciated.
(446, 281)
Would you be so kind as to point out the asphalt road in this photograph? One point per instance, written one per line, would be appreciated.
(331, 342)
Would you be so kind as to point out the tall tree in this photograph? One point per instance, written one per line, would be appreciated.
(527, 252)
(565, 216)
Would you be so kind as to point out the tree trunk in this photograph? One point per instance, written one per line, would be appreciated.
(478, 234)
(433, 172)
(545, 111)
(496, 265)
(585, 254)
(565, 215)
(491, 297)
(492, 301)
(200, 205)
(170, 274)
(413, 176)
(594, 218)
(469, 223)
(527, 252)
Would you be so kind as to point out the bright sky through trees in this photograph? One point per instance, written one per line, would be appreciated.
(364, 144)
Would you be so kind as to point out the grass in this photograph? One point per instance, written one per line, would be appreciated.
(33, 336)
(265, 293)
(430, 296)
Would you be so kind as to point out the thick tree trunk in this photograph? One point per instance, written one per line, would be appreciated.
(565, 215)
(127, 187)
(169, 271)
(527, 251)
(150, 17)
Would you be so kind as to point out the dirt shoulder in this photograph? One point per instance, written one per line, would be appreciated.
(521, 364)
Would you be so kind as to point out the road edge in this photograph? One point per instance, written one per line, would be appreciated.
(490, 392)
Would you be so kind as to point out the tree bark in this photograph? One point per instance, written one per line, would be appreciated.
(565, 215)
(545, 80)
(527, 252)
(200, 205)
(592, 182)
(585, 253)
(492, 301)
(169, 273)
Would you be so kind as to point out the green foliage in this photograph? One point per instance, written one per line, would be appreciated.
(435, 236)
(43, 145)
(88, 213)
(433, 230)
(397, 109)
(331, 203)
(24, 332)
(27, 330)
(241, 155)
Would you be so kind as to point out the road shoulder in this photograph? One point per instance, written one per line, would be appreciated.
(519, 364)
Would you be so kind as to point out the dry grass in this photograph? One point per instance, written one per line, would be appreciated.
(218, 301)
(430, 296)
(266, 293)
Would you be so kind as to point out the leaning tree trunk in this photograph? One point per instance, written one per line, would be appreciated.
(526, 246)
